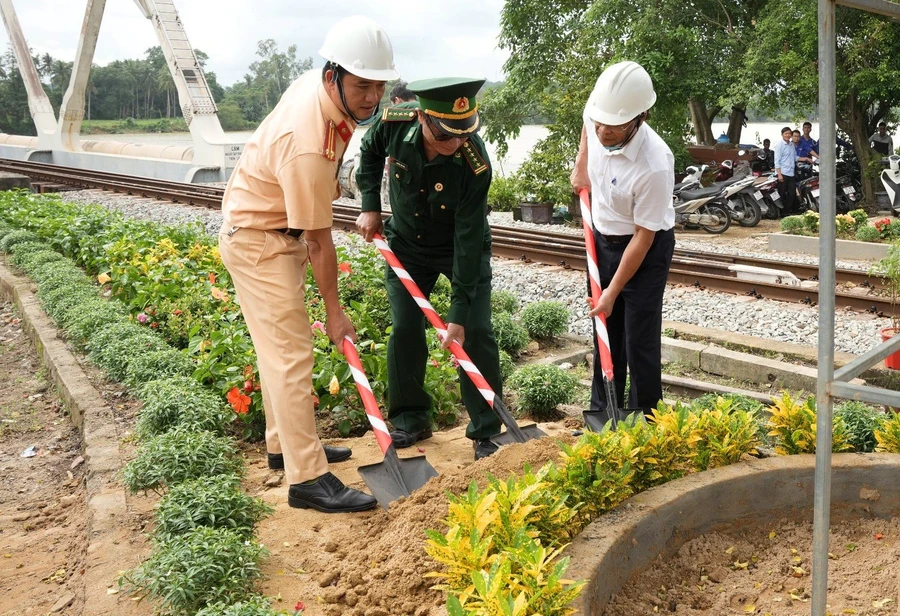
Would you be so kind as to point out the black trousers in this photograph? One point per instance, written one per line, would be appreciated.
(788, 191)
(635, 327)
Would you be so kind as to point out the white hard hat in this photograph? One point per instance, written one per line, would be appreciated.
(623, 91)
(362, 47)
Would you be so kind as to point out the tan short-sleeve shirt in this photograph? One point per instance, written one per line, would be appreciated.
(287, 174)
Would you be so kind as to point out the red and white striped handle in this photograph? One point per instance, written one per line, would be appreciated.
(587, 223)
(434, 318)
(365, 392)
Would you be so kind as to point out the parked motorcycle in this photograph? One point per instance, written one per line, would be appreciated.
(890, 177)
(702, 207)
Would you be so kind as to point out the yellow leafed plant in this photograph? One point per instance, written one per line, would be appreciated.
(727, 432)
(794, 426)
(888, 435)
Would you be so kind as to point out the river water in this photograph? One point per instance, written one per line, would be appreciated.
(519, 148)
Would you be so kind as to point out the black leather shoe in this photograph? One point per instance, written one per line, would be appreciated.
(403, 439)
(329, 495)
(484, 447)
(332, 454)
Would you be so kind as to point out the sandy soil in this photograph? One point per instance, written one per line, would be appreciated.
(766, 570)
(372, 564)
(42, 499)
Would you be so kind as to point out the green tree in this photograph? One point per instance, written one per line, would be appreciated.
(781, 68)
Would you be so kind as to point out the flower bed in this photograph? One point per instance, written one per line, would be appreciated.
(853, 225)
(502, 551)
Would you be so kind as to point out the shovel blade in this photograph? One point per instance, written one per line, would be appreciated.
(598, 421)
(531, 432)
(387, 485)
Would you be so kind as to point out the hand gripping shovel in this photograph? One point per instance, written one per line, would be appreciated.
(514, 433)
(596, 420)
(395, 477)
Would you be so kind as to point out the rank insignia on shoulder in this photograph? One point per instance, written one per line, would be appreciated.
(398, 114)
(476, 162)
(328, 147)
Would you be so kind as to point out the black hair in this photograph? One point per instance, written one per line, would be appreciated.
(338, 74)
(882, 123)
(786, 129)
(795, 131)
(805, 124)
(402, 92)
(765, 141)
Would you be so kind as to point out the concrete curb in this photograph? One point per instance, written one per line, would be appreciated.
(845, 249)
(626, 541)
(107, 542)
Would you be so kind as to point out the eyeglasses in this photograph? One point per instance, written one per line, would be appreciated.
(616, 129)
(440, 136)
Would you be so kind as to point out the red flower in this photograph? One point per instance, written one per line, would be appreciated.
(248, 371)
(212, 278)
(154, 325)
(238, 401)
(435, 363)
(345, 267)
(299, 607)
(176, 312)
(248, 387)
(315, 400)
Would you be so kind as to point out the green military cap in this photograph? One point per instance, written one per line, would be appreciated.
(450, 103)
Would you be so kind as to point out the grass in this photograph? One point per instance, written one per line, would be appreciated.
(130, 125)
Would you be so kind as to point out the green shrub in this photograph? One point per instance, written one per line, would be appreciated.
(542, 388)
(255, 605)
(216, 502)
(82, 321)
(440, 296)
(811, 221)
(168, 404)
(179, 455)
(507, 365)
(793, 224)
(28, 261)
(5, 230)
(859, 217)
(56, 273)
(24, 250)
(158, 365)
(204, 566)
(504, 301)
(17, 237)
(58, 300)
(504, 194)
(511, 337)
(861, 421)
(545, 319)
(867, 234)
(113, 348)
(710, 401)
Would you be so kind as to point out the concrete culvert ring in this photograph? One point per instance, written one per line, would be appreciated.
(620, 545)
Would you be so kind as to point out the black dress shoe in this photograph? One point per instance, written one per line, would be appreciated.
(484, 447)
(329, 495)
(403, 439)
(332, 454)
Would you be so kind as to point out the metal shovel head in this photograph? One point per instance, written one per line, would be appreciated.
(388, 482)
(598, 421)
(531, 432)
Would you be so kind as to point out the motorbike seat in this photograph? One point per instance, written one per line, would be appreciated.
(685, 185)
(701, 193)
(729, 182)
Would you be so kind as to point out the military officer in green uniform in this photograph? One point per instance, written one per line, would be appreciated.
(439, 180)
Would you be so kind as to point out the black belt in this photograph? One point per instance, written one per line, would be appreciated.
(291, 232)
(617, 239)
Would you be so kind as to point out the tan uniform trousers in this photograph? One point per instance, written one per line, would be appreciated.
(268, 269)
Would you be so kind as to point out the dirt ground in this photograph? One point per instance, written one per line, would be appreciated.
(372, 564)
(42, 499)
(766, 570)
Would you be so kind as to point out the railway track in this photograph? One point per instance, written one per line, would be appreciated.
(692, 268)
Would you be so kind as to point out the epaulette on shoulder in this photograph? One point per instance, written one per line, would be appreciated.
(398, 114)
(476, 162)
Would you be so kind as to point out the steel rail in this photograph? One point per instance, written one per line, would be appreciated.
(694, 268)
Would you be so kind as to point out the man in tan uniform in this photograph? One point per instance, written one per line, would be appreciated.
(277, 212)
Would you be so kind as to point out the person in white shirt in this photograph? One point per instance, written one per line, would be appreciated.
(630, 172)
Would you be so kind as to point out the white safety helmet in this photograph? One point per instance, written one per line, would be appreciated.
(362, 47)
(623, 91)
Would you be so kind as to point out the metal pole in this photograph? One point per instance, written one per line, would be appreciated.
(827, 144)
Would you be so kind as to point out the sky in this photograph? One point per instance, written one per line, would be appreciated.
(430, 38)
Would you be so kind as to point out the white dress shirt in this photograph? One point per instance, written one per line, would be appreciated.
(631, 186)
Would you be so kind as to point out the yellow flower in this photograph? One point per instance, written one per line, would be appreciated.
(334, 387)
(103, 278)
